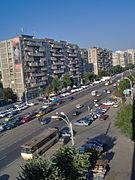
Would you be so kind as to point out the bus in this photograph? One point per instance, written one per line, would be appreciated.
(39, 144)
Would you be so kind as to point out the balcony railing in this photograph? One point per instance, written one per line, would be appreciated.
(36, 54)
(58, 71)
(57, 55)
(33, 64)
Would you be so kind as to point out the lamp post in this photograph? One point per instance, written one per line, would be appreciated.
(26, 99)
(66, 120)
(130, 88)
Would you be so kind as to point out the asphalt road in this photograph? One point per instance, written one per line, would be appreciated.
(10, 141)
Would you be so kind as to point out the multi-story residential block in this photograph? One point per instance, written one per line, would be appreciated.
(120, 58)
(28, 64)
(84, 60)
(131, 56)
(74, 62)
(99, 59)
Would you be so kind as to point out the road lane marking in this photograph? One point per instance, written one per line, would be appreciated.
(3, 158)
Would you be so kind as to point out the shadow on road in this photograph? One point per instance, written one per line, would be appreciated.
(133, 138)
(107, 140)
(4, 177)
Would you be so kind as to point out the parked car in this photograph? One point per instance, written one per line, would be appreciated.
(45, 120)
(3, 114)
(9, 117)
(104, 117)
(64, 140)
(116, 105)
(76, 113)
(83, 122)
(108, 91)
(2, 126)
(71, 98)
(92, 144)
(40, 113)
(26, 119)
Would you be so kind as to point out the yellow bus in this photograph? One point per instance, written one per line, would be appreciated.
(39, 144)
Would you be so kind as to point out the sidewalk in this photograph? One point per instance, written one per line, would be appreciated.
(121, 164)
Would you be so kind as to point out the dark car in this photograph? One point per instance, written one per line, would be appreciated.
(65, 132)
(104, 117)
(71, 98)
(76, 113)
(45, 120)
(17, 121)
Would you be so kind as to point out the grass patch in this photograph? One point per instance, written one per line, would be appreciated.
(124, 120)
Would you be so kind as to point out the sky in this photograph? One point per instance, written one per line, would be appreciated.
(102, 23)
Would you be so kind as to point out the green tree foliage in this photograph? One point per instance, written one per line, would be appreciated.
(124, 84)
(56, 85)
(116, 69)
(67, 81)
(86, 77)
(66, 164)
(38, 169)
(70, 163)
(92, 76)
(102, 73)
(124, 120)
(9, 94)
(48, 90)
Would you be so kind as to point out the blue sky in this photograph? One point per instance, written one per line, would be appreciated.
(102, 23)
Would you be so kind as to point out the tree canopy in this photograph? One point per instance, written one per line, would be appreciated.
(67, 81)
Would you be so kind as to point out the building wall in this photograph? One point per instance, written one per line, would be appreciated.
(99, 59)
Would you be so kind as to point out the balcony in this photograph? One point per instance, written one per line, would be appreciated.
(36, 54)
(74, 69)
(73, 62)
(41, 49)
(30, 43)
(72, 55)
(57, 55)
(35, 64)
(45, 78)
(54, 67)
(38, 74)
(29, 59)
(53, 58)
(41, 64)
(43, 69)
(42, 59)
(57, 46)
(58, 63)
(58, 71)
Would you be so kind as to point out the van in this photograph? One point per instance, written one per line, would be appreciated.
(93, 93)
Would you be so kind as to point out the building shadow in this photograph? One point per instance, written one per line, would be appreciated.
(133, 138)
(4, 177)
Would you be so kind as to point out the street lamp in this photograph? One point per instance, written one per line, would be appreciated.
(26, 99)
(66, 120)
(130, 88)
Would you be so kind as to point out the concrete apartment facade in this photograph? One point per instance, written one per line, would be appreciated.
(120, 58)
(29, 64)
(99, 59)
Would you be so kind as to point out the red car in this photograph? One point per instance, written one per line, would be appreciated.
(104, 117)
(26, 119)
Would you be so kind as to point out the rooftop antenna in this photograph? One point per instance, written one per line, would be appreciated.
(34, 34)
(22, 30)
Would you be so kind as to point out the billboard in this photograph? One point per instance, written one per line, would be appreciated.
(16, 51)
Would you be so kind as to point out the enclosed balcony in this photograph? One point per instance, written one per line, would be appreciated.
(58, 71)
(34, 64)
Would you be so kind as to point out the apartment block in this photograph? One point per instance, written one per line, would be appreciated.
(120, 58)
(99, 59)
(28, 63)
(131, 56)
(84, 60)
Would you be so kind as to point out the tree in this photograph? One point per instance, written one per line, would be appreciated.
(116, 69)
(48, 90)
(102, 73)
(38, 169)
(56, 85)
(70, 163)
(92, 76)
(9, 94)
(67, 80)
(124, 84)
(86, 77)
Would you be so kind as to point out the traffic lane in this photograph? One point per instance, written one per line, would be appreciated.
(12, 152)
(56, 124)
(31, 126)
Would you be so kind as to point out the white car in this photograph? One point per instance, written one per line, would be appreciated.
(30, 104)
(96, 104)
(95, 100)
(78, 106)
(116, 105)
(108, 103)
(108, 91)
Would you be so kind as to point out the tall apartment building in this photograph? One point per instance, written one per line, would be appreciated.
(84, 60)
(29, 64)
(99, 59)
(120, 58)
(131, 54)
